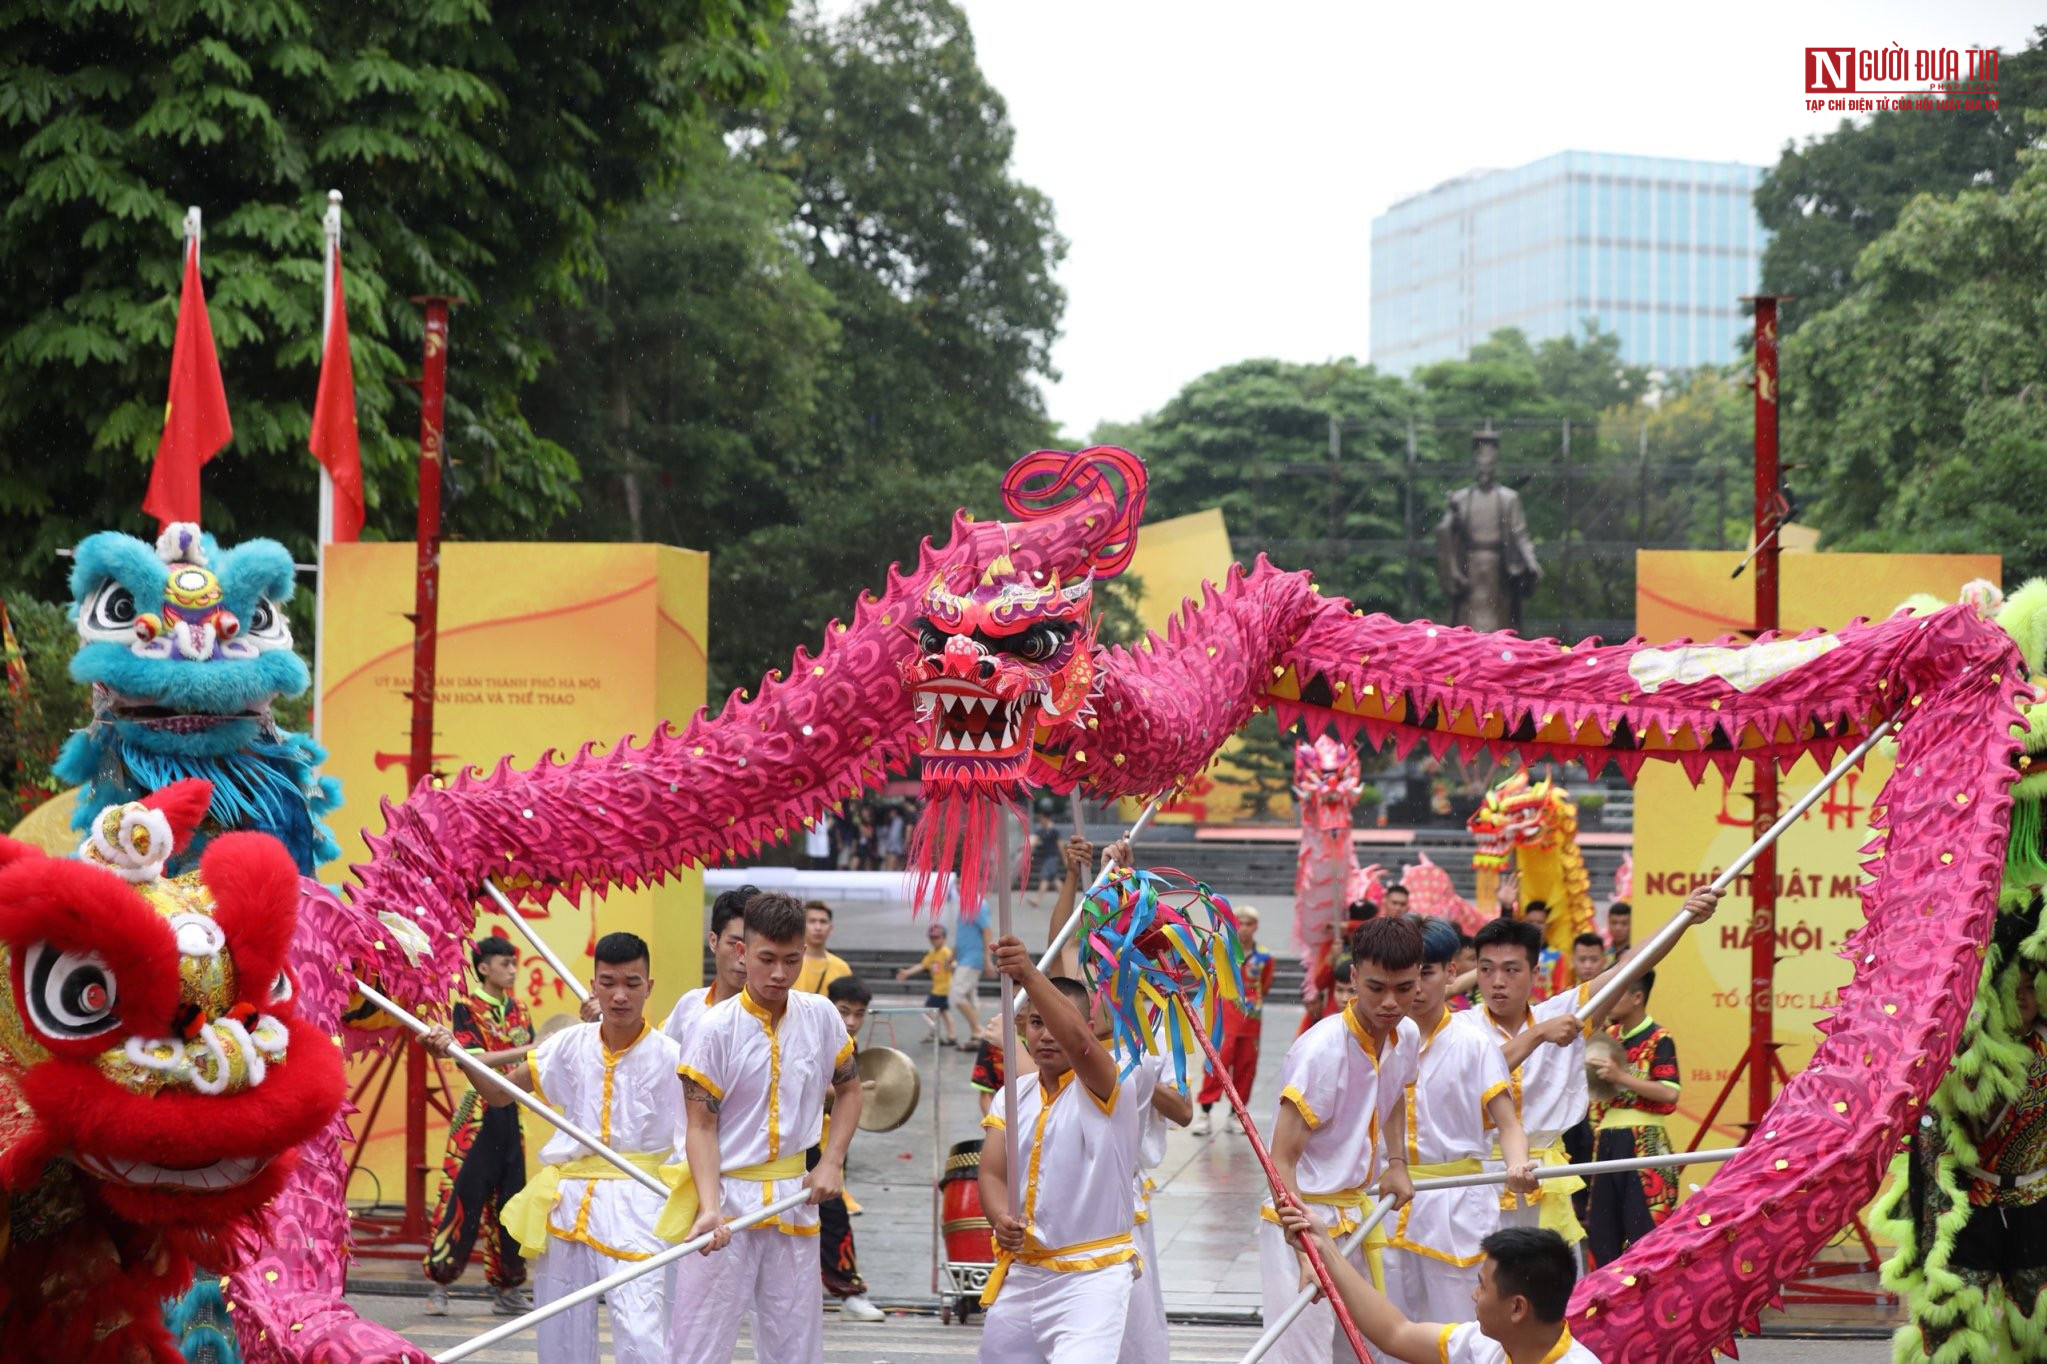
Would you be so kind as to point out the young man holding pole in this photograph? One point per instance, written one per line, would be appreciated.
(1524, 1289)
(1545, 1052)
(727, 935)
(1063, 1219)
(580, 1218)
(754, 1082)
(1460, 1097)
(1342, 1122)
(485, 1164)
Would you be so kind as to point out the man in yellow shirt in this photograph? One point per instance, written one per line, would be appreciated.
(820, 967)
(938, 961)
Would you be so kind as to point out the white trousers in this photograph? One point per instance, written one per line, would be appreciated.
(1046, 1317)
(767, 1272)
(1426, 1289)
(1145, 1337)
(1316, 1337)
(638, 1315)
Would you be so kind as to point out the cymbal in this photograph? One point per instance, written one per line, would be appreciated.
(889, 1088)
(1598, 1045)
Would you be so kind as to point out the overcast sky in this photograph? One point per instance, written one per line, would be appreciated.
(1216, 167)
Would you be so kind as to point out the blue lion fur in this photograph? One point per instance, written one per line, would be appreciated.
(199, 1322)
(263, 778)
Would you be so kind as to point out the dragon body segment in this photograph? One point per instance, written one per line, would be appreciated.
(1154, 715)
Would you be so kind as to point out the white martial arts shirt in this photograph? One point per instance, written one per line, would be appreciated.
(683, 1017)
(1078, 1154)
(770, 1079)
(1466, 1344)
(1345, 1087)
(1462, 1070)
(630, 1100)
(1139, 1090)
(1549, 1087)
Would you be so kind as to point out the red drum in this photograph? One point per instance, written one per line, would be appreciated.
(968, 1237)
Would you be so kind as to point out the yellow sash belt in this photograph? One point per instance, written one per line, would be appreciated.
(1120, 1251)
(1553, 1196)
(679, 1214)
(526, 1213)
(1350, 1206)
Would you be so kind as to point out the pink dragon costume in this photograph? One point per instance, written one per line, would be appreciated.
(979, 659)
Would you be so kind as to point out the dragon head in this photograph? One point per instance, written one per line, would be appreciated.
(1515, 814)
(1327, 779)
(148, 1033)
(185, 645)
(1002, 670)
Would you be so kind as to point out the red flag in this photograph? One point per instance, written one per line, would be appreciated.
(195, 420)
(334, 440)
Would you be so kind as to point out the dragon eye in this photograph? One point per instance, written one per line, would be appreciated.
(1038, 643)
(931, 640)
(111, 611)
(71, 995)
(280, 989)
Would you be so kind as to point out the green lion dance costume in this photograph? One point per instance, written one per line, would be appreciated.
(1968, 1200)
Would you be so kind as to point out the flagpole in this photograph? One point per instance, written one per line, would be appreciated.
(325, 525)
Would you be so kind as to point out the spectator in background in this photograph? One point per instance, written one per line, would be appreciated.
(1242, 1025)
(1346, 989)
(820, 966)
(969, 956)
(1588, 958)
(817, 846)
(1620, 930)
(893, 839)
(1046, 860)
(868, 858)
(986, 1076)
(837, 1263)
(1395, 903)
(845, 837)
(1463, 964)
(1549, 962)
(938, 962)
(1627, 1206)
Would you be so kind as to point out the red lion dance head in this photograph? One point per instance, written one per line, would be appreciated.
(1004, 673)
(154, 1076)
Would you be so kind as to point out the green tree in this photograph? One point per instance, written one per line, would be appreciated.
(1827, 200)
(1253, 439)
(480, 149)
(1920, 400)
(687, 382)
(938, 264)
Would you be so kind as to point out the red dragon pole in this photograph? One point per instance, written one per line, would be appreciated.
(433, 398)
(1762, 1016)
(1280, 1196)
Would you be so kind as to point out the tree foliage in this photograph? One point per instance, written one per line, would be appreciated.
(1827, 200)
(480, 149)
(1920, 399)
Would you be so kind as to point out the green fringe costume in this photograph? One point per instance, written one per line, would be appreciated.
(1973, 1272)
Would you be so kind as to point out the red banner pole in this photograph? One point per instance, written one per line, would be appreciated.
(433, 395)
(1762, 1025)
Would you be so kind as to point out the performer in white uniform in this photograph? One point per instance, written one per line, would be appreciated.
(1065, 1257)
(1524, 1289)
(1461, 1095)
(727, 938)
(580, 1219)
(1160, 1104)
(1544, 1047)
(754, 1081)
(1341, 1123)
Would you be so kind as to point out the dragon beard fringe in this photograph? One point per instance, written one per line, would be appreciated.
(959, 829)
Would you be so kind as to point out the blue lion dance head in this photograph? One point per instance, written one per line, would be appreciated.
(185, 646)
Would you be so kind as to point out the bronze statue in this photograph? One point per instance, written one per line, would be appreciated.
(1484, 558)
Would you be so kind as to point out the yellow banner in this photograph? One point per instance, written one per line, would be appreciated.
(1685, 835)
(541, 646)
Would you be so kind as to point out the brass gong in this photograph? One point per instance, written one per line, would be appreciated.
(888, 1087)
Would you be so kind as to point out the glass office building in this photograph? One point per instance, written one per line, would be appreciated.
(1657, 250)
